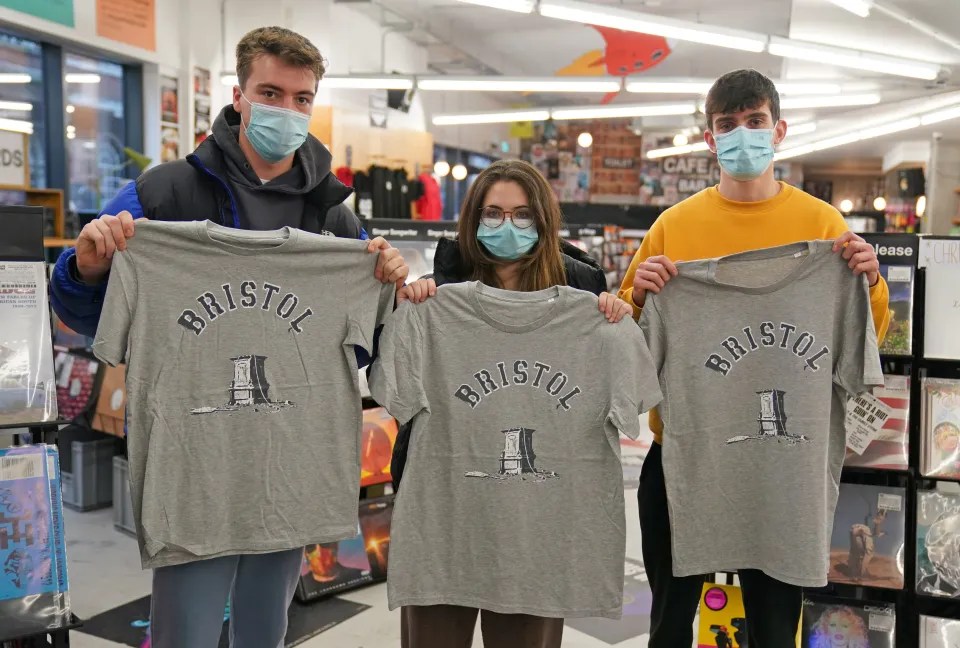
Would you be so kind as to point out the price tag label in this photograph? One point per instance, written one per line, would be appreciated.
(900, 274)
(881, 622)
(890, 502)
(866, 416)
(896, 383)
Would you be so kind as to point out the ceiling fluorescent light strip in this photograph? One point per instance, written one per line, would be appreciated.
(21, 106)
(359, 82)
(701, 87)
(605, 16)
(16, 125)
(677, 150)
(802, 129)
(81, 78)
(881, 130)
(855, 59)
(835, 101)
(11, 77)
(518, 84)
(859, 7)
(491, 118)
(613, 112)
(520, 6)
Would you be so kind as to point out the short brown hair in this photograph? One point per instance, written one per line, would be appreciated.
(289, 46)
(543, 267)
(740, 90)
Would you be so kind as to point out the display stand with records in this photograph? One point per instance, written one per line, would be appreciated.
(34, 592)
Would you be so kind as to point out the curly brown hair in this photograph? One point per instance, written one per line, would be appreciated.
(543, 267)
(289, 46)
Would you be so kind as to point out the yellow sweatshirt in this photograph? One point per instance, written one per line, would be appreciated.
(708, 225)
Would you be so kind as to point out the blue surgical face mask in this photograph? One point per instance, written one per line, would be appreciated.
(507, 241)
(275, 132)
(745, 153)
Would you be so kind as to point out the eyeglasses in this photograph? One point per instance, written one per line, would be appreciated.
(493, 217)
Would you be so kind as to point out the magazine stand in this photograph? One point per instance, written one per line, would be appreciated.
(21, 240)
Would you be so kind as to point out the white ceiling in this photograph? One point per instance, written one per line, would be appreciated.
(466, 39)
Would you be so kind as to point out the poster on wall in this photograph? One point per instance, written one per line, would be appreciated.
(133, 22)
(201, 105)
(169, 100)
(58, 11)
(169, 143)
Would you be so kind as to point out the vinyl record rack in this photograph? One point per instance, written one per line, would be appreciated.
(21, 239)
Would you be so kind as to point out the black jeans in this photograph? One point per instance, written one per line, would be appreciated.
(773, 608)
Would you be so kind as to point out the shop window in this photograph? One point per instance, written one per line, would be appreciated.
(94, 123)
(21, 98)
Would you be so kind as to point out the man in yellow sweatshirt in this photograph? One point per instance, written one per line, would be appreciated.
(748, 210)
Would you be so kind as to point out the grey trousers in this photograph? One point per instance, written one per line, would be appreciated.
(189, 600)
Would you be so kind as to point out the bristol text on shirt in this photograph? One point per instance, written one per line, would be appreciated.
(250, 296)
(784, 337)
(537, 377)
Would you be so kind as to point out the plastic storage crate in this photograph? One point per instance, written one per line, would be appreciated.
(87, 481)
(122, 503)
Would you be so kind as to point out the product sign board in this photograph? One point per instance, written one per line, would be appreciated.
(133, 22)
(58, 11)
(14, 162)
(619, 162)
(941, 258)
(898, 255)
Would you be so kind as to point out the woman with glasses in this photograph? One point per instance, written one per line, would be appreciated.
(507, 237)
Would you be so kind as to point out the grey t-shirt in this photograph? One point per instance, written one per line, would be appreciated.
(756, 353)
(244, 406)
(512, 498)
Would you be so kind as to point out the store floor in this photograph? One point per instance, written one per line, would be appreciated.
(105, 573)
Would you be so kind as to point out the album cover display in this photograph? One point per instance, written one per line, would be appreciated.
(890, 450)
(76, 381)
(899, 338)
(938, 544)
(830, 623)
(333, 567)
(33, 576)
(27, 382)
(936, 632)
(375, 517)
(866, 547)
(110, 415)
(723, 622)
(940, 427)
(941, 319)
(376, 446)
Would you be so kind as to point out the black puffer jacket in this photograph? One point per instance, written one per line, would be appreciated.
(583, 273)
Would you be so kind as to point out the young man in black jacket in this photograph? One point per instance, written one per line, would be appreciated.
(260, 170)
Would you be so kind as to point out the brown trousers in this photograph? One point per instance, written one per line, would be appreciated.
(451, 626)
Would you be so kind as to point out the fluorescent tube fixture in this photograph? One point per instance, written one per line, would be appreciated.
(9, 77)
(388, 82)
(880, 130)
(491, 118)
(605, 16)
(799, 103)
(16, 125)
(520, 6)
(518, 84)
(613, 112)
(677, 150)
(858, 7)
(81, 78)
(940, 116)
(21, 106)
(855, 59)
(701, 87)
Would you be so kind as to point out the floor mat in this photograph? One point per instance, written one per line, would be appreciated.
(128, 623)
(635, 624)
